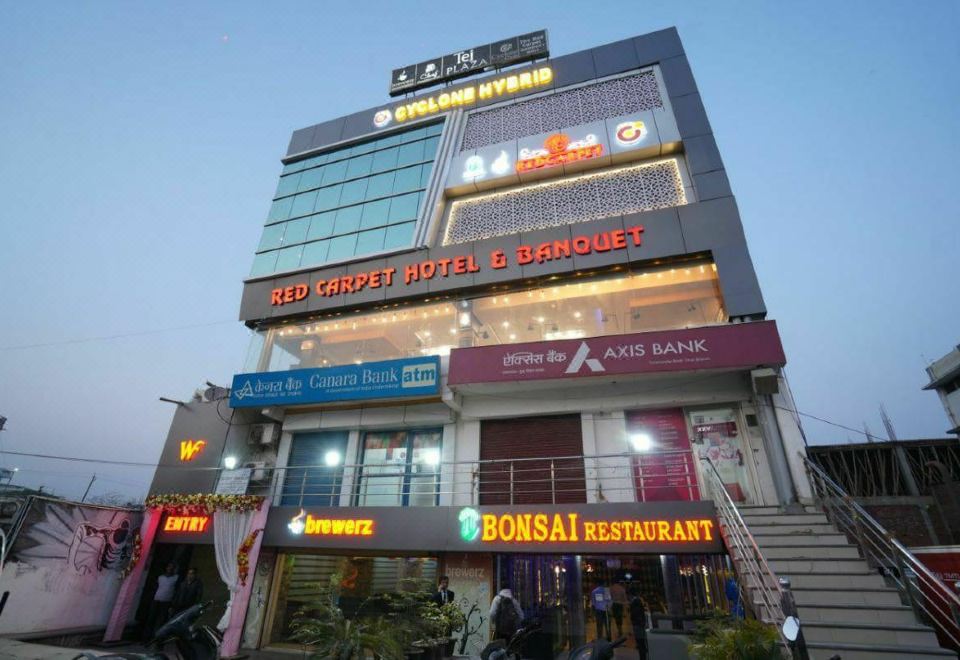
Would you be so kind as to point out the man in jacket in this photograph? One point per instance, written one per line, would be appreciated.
(189, 593)
(443, 595)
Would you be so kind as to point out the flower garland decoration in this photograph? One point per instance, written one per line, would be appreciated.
(134, 557)
(204, 503)
(243, 557)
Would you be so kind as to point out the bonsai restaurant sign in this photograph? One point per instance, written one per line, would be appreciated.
(460, 265)
(574, 528)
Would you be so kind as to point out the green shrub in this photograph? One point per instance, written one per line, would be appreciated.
(726, 638)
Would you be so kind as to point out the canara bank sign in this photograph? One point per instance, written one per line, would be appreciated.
(466, 96)
(576, 528)
(459, 265)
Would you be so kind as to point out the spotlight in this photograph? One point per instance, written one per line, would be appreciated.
(230, 462)
(641, 441)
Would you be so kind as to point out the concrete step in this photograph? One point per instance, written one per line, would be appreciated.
(784, 519)
(824, 551)
(864, 580)
(760, 531)
(897, 615)
(840, 596)
(804, 565)
(799, 538)
(826, 650)
(883, 635)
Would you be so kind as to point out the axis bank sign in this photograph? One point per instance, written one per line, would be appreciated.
(744, 345)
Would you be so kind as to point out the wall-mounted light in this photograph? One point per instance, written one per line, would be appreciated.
(230, 462)
(641, 441)
(431, 456)
(332, 458)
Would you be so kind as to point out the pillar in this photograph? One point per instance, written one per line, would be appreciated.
(126, 600)
(241, 598)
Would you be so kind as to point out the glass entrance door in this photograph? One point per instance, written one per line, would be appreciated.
(717, 437)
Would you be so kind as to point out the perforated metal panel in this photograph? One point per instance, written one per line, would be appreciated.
(565, 201)
(603, 100)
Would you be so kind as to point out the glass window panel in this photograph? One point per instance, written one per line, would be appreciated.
(398, 236)
(364, 148)
(342, 247)
(375, 213)
(380, 185)
(280, 209)
(410, 154)
(407, 179)
(263, 264)
(359, 166)
(310, 480)
(370, 241)
(303, 204)
(425, 468)
(353, 192)
(315, 253)
(435, 129)
(311, 179)
(384, 467)
(334, 172)
(389, 141)
(271, 237)
(425, 174)
(313, 161)
(348, 219)
(321, 225)
(404, 208)
(292, 167)
(289, 258)
(430, 148)
(415, 134)
(328, 198)
(296, 231)
(385, 160)
(287, 185)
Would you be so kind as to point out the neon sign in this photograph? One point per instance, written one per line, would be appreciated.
(571, 528)
(192, 524)
(630, 132)
(190, 449)
(557, 150)
(304, 523)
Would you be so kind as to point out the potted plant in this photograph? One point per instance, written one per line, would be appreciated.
(453, 620)
(731, 638)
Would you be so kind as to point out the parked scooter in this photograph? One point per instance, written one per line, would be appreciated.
(598, 649)
(177, 639)
(500, 649)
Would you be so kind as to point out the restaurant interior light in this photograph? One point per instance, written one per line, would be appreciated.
(641, 441)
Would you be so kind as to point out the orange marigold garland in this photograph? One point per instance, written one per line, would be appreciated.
(134, 557)
(243, 556)
(204, 503)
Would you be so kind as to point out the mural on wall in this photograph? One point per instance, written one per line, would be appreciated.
(470, 576)
(63, 564)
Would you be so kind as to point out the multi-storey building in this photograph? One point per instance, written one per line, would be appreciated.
(505, 330)
(944, 376)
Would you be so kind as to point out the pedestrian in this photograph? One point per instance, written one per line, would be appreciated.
(638, 619)
(162, 600)
(601, 601)
(505, 614)
(189, 593)
(619, 594)
(443, 595)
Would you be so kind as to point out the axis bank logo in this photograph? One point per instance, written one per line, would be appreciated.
(582, 357)
(580, 360)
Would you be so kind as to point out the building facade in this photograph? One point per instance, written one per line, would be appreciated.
(504, 330)
(944, 374)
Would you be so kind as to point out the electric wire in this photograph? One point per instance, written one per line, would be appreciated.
(140, 333)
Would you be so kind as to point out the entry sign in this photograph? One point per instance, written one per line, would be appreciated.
(410, 377)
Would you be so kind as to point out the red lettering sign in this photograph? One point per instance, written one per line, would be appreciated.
(189, 524)
(558, 150)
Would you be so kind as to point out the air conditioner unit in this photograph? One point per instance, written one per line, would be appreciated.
(264, 434)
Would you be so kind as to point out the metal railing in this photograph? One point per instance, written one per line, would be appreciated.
(932, 601)
(768, 596)
(621, 477)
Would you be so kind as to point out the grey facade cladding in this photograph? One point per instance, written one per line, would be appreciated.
(711, 225)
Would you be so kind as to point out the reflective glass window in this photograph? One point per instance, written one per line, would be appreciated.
(398, 236)
(264, 264)
(303, 204)
(380, 185)
(404, 207)
(280, 209)
(289, 258)
(370, 241)
(271, 237)
(296, 231)
(287, 185)
(410, 153)
(415, 134)
(385, 160)
(334, 172)
(375, 213)
(321, 225)
(348, 219)
(425, 175)
(353, 192)
(341, 247)
(359, 166)
(407, 179)
(328, 198)
(315, 253)
(311, 179)
(435, 129)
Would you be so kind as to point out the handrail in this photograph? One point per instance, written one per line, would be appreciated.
(752, 563)
(932, 601)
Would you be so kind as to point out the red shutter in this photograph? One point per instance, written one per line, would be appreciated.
(533, 482)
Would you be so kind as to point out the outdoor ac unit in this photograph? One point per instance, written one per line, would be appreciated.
(264, 434)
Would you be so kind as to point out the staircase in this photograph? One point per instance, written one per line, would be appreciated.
(844, 606)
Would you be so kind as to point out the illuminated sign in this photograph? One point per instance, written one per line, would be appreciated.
(465, 96)
(629, 133)
(190, 449)
(305, 523)
(192, 524)
(557, 150)
(602, 241)
(475, 167)
(572, 528)
(465, 62)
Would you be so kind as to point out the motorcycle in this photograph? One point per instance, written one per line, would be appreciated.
(500, 649)
(598, 649)
(177, 639)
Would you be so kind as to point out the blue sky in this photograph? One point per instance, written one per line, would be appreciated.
(140, 145)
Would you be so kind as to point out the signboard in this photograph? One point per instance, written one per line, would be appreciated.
(190, 449)
(462, 63)
(447, 267)
(409, 377)
(186, 524)
(233, 482)
(654, 527)
(666, 472)
(744, 345)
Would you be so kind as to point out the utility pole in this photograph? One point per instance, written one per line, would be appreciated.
(89, 485)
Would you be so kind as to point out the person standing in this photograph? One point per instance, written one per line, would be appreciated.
(189, 593)
(619, 595)
(638, 620)
(162, 599)
(601, 601)
(443, 595)
(505, 614)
